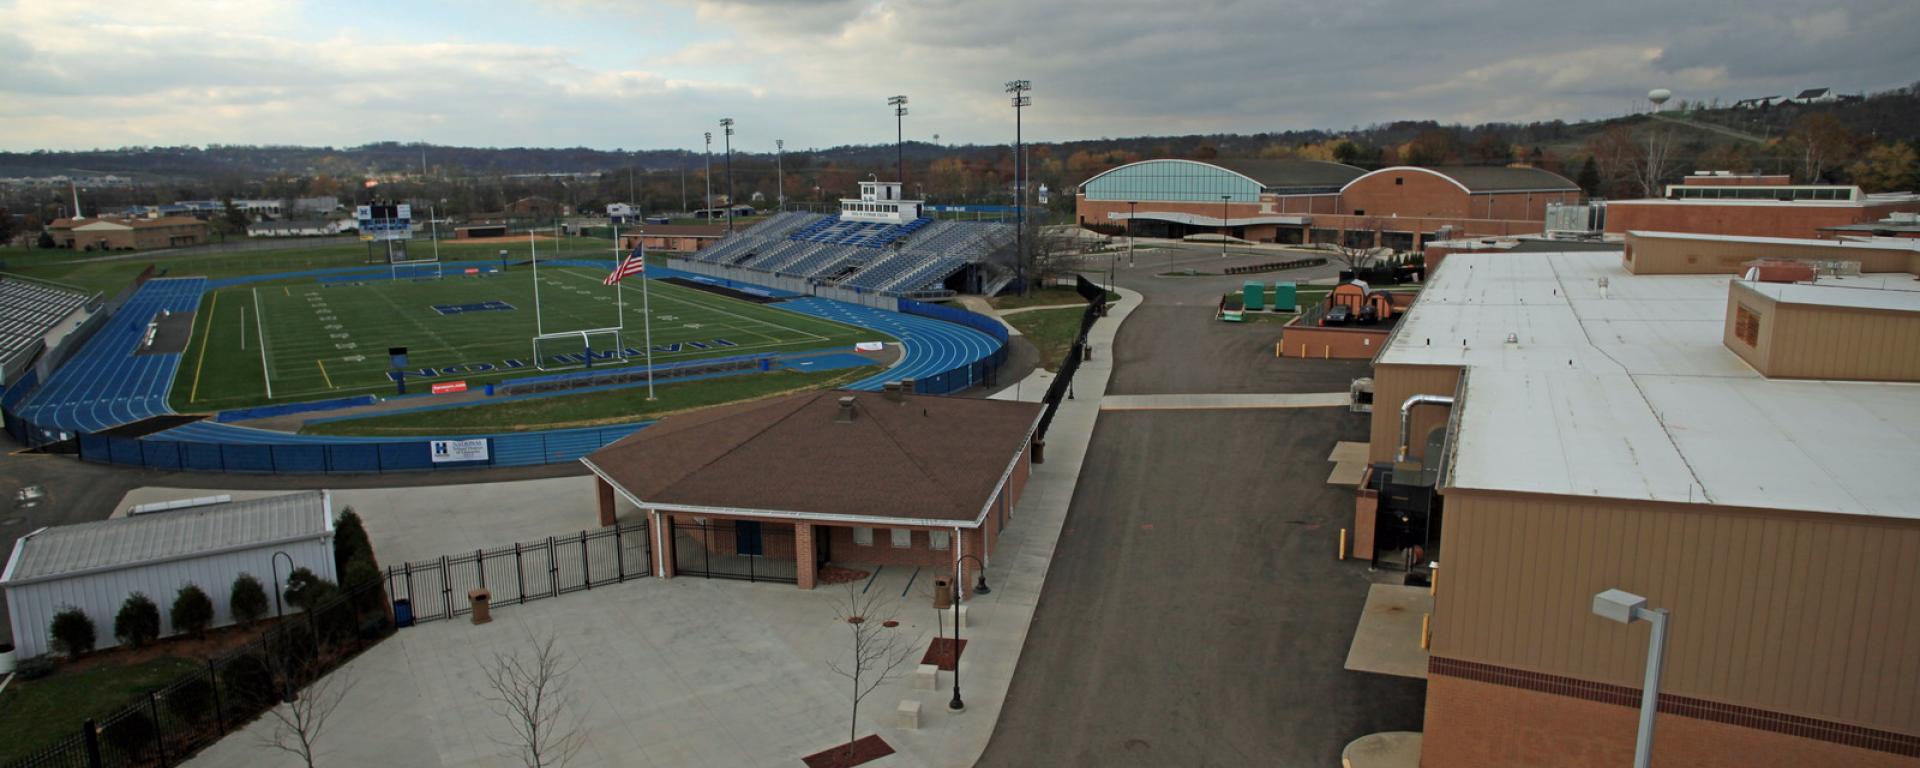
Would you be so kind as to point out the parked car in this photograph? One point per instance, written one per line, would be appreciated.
(1369, 315)
(1340, 314)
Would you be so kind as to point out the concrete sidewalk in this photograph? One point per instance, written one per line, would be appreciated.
(688, 671)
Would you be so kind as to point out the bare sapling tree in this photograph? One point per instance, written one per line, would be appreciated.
(878, 651)
(297, 725)
(532, 695)
(1358, 257)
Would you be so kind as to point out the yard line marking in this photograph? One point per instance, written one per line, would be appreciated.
(260, 330)
(206, 331)
(286, 290)
(323, 374)
(243, 326)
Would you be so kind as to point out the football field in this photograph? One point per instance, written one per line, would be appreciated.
(316, 340)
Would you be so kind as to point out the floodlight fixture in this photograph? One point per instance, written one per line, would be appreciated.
(1626, 608)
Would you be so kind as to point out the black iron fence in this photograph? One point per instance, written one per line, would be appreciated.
(440, 589)
(1062, 386)
(167, 725)
(735, 549)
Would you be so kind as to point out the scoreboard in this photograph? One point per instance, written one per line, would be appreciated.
(385, 221)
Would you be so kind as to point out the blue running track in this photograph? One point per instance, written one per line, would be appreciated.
(107, 384)
(932, 346)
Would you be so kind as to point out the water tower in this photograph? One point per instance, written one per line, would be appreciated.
(1659, 97)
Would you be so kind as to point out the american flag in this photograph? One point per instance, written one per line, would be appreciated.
(634, 265)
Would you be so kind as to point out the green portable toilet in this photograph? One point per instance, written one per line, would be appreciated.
(1285, 297)
(1254, 295)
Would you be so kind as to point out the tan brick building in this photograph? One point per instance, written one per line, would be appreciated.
(106, 234)
(1762, 206)
(675, 238)
(1307, 201)
(1737, 452)
(780, 488)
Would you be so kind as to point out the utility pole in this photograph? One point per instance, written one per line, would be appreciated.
(780, 170)
(1019, 90)
(726, 123)
(899, 104)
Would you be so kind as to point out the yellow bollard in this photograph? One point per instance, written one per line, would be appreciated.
(1326, 352)
(1426, 631)
(1277, 349)
(1433, 581)
(1343, 543)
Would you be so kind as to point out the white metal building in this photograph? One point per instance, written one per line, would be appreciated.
(95, 566)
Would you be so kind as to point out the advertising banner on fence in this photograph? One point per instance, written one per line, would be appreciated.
(449, 387)
(445, 451)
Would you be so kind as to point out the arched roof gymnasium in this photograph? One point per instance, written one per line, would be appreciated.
(1243, 181)
(1483, 179)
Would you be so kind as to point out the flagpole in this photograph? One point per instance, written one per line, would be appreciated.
(646, 312)
(619, 294)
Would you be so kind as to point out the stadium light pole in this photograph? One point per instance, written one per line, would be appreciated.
(780, 170)
(726, 123)
(1019, 90)
(899, 104)
(706, 203)
(1627, 608)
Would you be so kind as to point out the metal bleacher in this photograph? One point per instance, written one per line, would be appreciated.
(28, 310)
(871, 256)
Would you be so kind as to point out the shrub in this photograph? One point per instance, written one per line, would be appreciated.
(72, 632)
(192, 611)
(249, 600)
(249, 683)
(138, 622)
(132, 735)
(294, 645)
(306, 589)
(34, 668)
(358, 572)
(191, 700)
(350, 543)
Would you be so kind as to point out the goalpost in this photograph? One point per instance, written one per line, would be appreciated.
(572, 349)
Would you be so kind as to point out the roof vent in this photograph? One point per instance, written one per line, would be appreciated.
(1513, 338)
(845, 415)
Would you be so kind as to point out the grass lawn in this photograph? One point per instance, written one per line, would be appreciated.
(324, 341)
(110, 272)
(607, 407)
(1051, 331)
(1041, 297)
(36, 713)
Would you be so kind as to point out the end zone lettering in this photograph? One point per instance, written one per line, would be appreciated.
(629, 353)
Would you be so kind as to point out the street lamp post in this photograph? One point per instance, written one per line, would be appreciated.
(959, 576)
(1626, 608)
(780, 170)
(706, 203)
(726, 123)
(1223, 224)
(899, 104)
(1130, 205)
(1021, 100)
(291, 694)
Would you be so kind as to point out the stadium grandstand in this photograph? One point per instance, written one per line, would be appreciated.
(879, 243)
(28, 312)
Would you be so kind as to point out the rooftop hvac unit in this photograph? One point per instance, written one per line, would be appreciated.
(1837, 267)
(1575, 220)
(1904, 217)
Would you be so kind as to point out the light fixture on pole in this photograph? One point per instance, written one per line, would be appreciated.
(959, 578)
(1626, 608)
(288, 693)
(1130, 205)
(899, 104)
(780, 170)
(706, 203)
(1223, 224)
(726, 123)
(1021, 101)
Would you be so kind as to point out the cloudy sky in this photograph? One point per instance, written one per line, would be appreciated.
(656, 73)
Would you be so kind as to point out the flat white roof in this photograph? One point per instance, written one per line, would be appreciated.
(1627, 392)
(1893, 293)
(1883, 243)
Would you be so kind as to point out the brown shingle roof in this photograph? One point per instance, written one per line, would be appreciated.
(931, 458)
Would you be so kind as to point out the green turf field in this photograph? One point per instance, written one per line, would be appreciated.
(310, 341)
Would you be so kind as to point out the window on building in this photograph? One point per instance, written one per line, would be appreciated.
(1399, 181)
(1746, 325)
(902, 537)
(939, 539)
(1359, 212)
(863, 537)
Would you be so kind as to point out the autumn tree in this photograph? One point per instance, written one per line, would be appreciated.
(1818, 143)
(1431, 147)
(1355, 248)
(1887, 168)
(1489, 148)
(1633, 162)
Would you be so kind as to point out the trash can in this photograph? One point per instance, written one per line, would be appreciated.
(402, 612)
(6, 658)
(943, 592)
(482, 612)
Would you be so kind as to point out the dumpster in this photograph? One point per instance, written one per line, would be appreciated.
(479, 599)
(1254, 295)
(1286, 296)
(402, 612)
